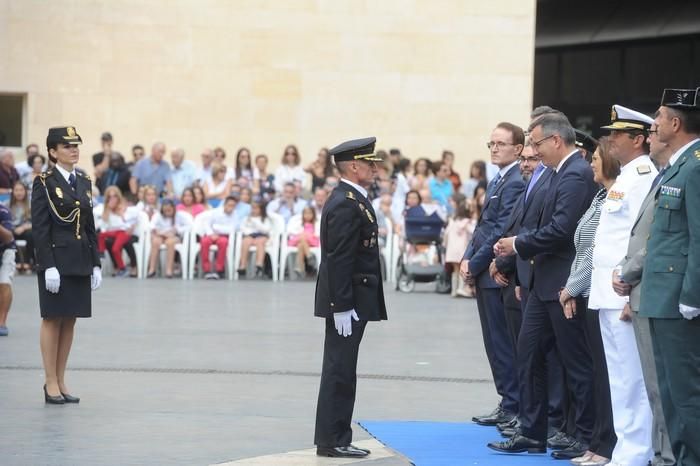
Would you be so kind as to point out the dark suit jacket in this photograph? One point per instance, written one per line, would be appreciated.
(349, 275)
(491, 225)
(524, 218)
(551, 245)
(70, 246)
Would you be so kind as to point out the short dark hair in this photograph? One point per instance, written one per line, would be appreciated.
(137, 146)
(413, 191)
(690, 119)
(394, 151)
(32, 158)
(515, 130)
(633, 133)
(555, 124)
(230, 198)
(33, 144)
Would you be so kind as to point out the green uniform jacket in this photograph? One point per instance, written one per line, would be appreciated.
(672, 268)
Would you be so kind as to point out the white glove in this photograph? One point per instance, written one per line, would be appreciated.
(52, 279)
(688, 312)
(343, 322)
(96, 278)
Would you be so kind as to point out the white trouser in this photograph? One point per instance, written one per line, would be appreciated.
(631, 411)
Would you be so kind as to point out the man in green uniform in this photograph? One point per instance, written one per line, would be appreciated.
(670, 288)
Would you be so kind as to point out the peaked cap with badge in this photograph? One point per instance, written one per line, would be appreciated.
(64, 135)
(356, 149)
(681, 99)
(626, 119)
(585, 141)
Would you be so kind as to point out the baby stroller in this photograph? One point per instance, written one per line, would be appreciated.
(422, 255)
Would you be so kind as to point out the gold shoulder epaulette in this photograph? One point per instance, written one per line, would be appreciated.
(350, 195)
(697, 154)
(644, 169)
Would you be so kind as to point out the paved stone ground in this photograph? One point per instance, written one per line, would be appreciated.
(202, 372)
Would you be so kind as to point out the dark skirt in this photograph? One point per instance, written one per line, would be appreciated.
(74, 298)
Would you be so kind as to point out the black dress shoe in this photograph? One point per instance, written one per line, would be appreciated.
(342, 452)
(508, 432)
(491, 414)
(573, 451)
(70, 398)
(53, 400)
(560, 441)
(508, 425)
(519, 444)
(501, 417)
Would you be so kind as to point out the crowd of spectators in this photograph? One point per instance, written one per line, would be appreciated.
(172, 191)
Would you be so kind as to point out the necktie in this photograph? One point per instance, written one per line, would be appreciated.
(492, 185)
(658, 178)
(533, 181)
(71, 181)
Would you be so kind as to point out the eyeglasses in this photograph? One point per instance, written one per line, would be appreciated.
(498, 144)
(538, 143)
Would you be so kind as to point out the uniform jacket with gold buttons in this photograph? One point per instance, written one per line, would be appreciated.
(672, 267)
(63, 226)
(350, 273)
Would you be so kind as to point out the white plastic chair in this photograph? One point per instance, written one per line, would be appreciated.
(272, 248)
(143, 232)
(286, 250)
(181, 248)
(198, 229)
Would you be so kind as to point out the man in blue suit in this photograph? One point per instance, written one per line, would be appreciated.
(552, 250)
(506, 144)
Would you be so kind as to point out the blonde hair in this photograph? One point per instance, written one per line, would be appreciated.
(108, 192)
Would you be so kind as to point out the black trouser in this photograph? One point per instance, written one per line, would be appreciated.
(558, 409)
(25, 256)
(677, 355)
(544, 326)
(499, 349)
(604, 439)
(336, 397)
(128, 247)
(513, 310)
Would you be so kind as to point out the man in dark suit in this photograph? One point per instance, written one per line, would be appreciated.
(348, 293)
(551, 248)
(506, 144)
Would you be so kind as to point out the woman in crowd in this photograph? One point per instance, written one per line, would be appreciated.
(148, 203)
(188, 204)
(320, 169)
(22, 225)
(421, 174)
(200, 197)
(458, 233)
(244, 165)
(217, 187)
(62, 215)
(574, 298)
(36, 162)
(290, 169)
(477, 178)
(263, 182)
(256, 231)
(114, 225)
(167, 228)
(304, 236)
(440, 185)
(448, 158)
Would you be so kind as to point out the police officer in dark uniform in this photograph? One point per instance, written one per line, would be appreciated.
(349, 292)
(67, 260)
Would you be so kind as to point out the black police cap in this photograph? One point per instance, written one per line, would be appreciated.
(356, 149)
(681, 99)
(63, 135)
(586, 141)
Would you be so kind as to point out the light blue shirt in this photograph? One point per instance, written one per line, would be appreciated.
(147, 173)
(183, 177)
(441, 191)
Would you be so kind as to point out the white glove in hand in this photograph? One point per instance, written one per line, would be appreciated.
(688, 312)
(96, 278)
(52, 279)
(343, 322)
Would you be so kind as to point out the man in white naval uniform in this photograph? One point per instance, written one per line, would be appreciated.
(632, 416)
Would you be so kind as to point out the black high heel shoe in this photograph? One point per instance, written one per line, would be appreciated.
(53, 400)
(70, 398)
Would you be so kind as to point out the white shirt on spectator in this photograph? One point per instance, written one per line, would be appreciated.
(286, 174)
(178, 225)
(113, 222)
(279, 206)
(256, 225)
(222, 223)
(215, 189)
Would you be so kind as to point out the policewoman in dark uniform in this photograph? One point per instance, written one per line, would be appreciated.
(348, 292)
(67, 261)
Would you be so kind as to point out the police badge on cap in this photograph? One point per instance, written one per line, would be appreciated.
(63, 135)
(356, 149)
